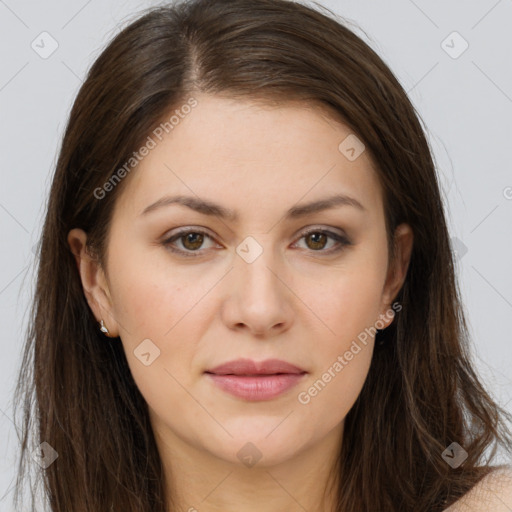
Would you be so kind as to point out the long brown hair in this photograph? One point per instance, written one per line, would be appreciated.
(76, 390)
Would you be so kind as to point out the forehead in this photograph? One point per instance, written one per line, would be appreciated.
(269, 155)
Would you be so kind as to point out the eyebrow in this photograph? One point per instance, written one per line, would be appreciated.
(206, 207)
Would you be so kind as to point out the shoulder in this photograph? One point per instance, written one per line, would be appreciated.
(494, 492)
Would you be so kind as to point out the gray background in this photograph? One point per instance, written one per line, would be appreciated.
(464, 100)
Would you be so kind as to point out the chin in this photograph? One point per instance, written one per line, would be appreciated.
(255, 447)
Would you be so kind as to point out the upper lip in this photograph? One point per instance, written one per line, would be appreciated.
(250, 367)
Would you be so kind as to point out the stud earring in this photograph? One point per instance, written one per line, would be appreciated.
(104, 329)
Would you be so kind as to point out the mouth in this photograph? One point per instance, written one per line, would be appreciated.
(256, 387)
(253, 374)
(252, 381)
(248, 367)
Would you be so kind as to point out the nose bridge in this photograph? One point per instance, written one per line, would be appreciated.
(257, 257)
(258, 286)
(256, 296)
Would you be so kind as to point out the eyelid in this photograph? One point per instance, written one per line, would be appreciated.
(170, 238)
(314, 229)
(340, 237)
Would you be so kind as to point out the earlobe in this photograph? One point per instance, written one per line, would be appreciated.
(93, 280)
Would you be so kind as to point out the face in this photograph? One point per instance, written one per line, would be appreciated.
(188, 290)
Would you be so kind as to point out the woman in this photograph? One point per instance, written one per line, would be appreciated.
(246, 296)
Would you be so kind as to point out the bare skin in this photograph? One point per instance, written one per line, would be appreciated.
(493, 493)
(300, 300)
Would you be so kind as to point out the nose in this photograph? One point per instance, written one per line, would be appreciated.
(258, 298)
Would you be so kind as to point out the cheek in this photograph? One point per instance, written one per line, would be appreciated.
(159, 318)
(346, 303)
(343, 353)
(349, 308)
(169, 308)
(151, 296)
(331, 391)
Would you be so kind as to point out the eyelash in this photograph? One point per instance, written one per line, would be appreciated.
(341, 239)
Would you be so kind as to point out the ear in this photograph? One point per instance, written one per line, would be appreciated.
(94, 281)
(397, 270)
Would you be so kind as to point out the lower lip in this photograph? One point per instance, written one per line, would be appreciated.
(264, 387)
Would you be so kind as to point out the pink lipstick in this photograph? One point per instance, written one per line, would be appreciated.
(256, 381)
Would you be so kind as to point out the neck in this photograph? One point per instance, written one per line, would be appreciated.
(198, 481)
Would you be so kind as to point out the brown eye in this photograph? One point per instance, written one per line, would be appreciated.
(318, 240)
(192, 241)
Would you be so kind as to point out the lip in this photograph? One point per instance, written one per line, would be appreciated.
(256, 381)
(250, 367)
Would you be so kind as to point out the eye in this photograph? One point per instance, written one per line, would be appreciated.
(316, 239)
(192, 240)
